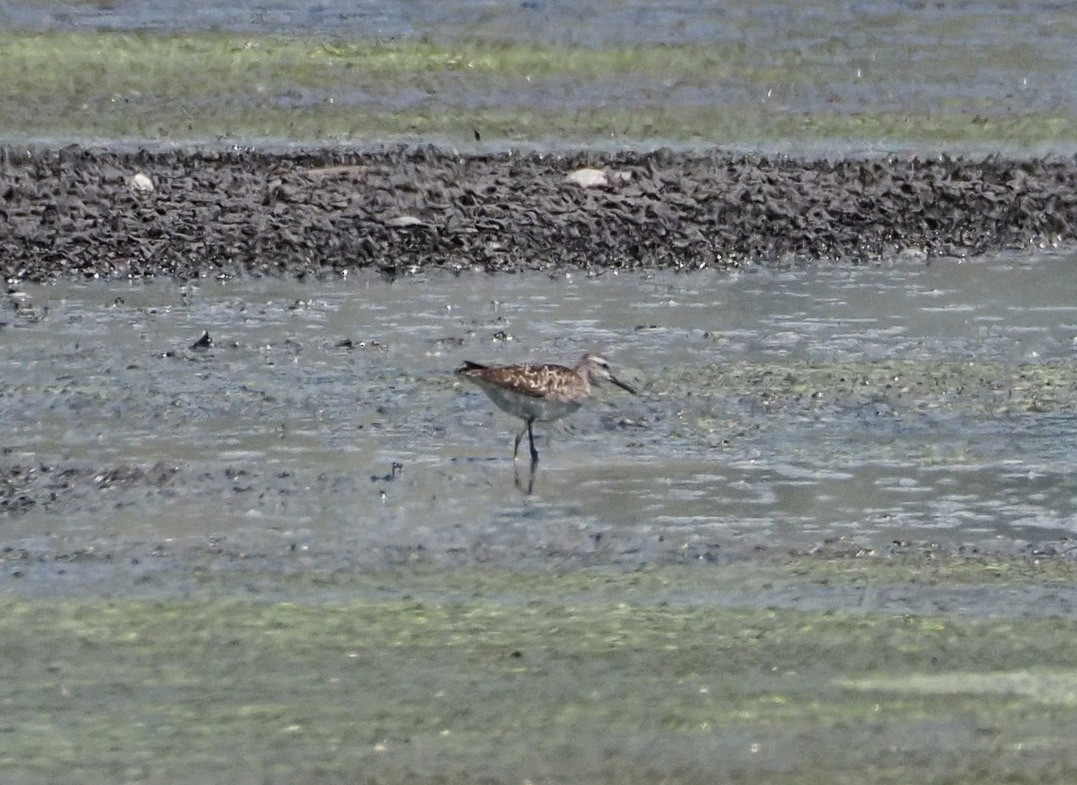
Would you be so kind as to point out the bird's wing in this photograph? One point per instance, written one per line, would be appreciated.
(530, 380)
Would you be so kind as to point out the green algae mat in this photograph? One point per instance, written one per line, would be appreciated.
(587, 676)
(116, 85)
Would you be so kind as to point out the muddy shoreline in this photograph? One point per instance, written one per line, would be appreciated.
(841, 500)
(82, 212)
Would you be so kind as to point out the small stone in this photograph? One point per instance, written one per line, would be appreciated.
(587, 178)
(912, 253)
(404, 221)
(141, 182)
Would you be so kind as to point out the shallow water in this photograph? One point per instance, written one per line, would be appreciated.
(245, 489)
(925, 403)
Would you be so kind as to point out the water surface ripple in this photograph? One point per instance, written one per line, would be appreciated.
(825, 407)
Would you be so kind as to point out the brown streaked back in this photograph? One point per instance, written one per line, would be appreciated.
(532, 380)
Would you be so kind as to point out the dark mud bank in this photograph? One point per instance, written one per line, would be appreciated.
(193, 213)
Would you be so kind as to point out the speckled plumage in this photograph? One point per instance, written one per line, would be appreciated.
(540, 392)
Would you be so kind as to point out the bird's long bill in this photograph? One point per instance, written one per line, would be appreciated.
(623, 386)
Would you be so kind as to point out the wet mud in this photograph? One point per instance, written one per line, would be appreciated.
(156, 429)
(191, 213)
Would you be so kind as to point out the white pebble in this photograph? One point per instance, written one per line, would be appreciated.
(141, 182)
(587, 178)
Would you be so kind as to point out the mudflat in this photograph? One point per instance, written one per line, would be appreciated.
(252, 531)
(191, 213)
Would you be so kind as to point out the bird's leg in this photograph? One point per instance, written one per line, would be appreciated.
(531, 477)
(516, 444)
(531, 438)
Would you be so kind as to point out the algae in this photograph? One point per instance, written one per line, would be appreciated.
(513, 676)
(981, 387)
(194, 86)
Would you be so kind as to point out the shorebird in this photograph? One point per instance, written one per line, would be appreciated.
(540, 392)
